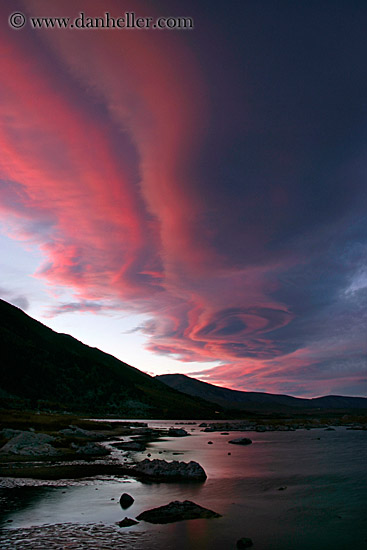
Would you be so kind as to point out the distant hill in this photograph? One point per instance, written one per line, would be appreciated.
(257, 401)
(40, 368)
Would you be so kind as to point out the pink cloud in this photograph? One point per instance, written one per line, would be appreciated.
(108, 236)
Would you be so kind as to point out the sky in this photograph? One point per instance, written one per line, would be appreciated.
(193, 200)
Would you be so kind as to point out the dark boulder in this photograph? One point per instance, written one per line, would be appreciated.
(177, 511)
(126, 500)
(161, 470)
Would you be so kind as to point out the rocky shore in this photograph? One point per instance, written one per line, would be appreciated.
(30, 454)
(53, 449)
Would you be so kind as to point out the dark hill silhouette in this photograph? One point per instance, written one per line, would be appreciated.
(258, 401)
(40, 368)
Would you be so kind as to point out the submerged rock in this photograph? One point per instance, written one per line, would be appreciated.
(177, 432)
(176, 511)
(241, 441)
(244, 543)
(127, 522)
(162, 470)
(126, 500)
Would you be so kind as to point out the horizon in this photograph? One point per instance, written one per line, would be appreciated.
(200, 380)
(192, 201)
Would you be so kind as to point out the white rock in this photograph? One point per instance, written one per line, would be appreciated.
(30, 443)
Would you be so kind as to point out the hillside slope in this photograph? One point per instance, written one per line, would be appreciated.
(40, 368)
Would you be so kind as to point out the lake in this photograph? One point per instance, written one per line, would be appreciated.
(299, 490)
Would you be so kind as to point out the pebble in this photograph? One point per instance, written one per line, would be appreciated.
(69, 536)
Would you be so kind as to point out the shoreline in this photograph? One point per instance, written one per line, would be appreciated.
(111, 442)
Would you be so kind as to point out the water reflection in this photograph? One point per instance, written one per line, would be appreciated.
(321, 504)
(18, 498)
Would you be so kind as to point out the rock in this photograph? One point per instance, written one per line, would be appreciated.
(127, 522)
(177, 432)
(162, 470)
(142, 431)
(130, 446)
(224, 433)
(8, 433)
(241, 441)
(210, 442)
(176, 511)
(126, 500)
(75, 431)
(282, 488)
(91, 449)
(329, 429)
(31, 444)
(203, 425)
(244, 543)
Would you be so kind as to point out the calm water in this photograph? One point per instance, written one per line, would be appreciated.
(324, 505)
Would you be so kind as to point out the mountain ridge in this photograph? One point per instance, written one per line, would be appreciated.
(256, 401)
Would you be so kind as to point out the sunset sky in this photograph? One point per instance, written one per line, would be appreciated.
(193, 201)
